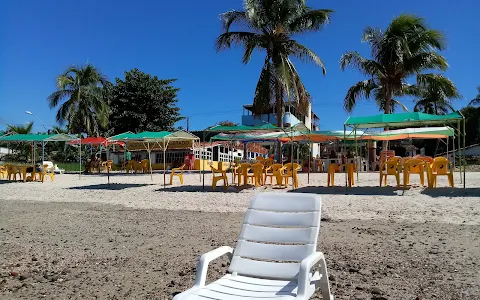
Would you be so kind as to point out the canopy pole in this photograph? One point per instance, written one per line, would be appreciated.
(125, 157)
(164, 163)
(453, 151)
(343, 153)
(43, 152)
(203, 160)
(448, 139)
(291, 161)
(80, 157)
(356, 160)
(463, 152)
(199, 150)
(33, 154)
(369, 142)
(310, 155)
(459, 129)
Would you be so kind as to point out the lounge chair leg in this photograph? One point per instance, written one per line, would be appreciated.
(324, 282)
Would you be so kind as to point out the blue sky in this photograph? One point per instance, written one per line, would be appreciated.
(175, 39)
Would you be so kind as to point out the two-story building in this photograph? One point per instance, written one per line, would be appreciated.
(291, 117)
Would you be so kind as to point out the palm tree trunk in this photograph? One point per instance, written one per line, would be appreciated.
(387, 110)
(279, 108)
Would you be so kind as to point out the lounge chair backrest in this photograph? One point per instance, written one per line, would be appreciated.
(278, 232)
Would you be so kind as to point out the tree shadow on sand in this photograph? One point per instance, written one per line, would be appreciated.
(452, 192)
(8, 181)
(111, 186)
(206, 189)
(357, 190)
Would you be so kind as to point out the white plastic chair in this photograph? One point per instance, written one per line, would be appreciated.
(275, 255)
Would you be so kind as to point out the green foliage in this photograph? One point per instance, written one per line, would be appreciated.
(434, 94)
(472, 122)
(81, 100)
(476, 101)
(406, 48)
(20, 151)
(21, 129)
(269, 26)
(143, 102)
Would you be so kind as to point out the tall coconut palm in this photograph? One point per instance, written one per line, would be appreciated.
(476, 101)
(434, 94)
(81, 98)
(406, 48)
(269, 26)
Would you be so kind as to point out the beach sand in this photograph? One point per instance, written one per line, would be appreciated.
(79, 238)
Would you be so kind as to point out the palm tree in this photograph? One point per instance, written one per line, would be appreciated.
(21, 152)
(21, 129)
(476, 101)
(407, 48)
(435, 94)
(84, 107)
(269, 26)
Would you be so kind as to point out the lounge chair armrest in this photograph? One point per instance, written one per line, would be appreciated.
(205, 260)
(305, 270)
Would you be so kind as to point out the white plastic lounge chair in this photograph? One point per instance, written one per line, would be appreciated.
(275, 257)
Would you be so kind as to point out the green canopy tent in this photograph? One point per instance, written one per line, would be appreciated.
(151, 139)
(36, 138)
(412, 119)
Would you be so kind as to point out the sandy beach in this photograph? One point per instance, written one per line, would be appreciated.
(80, 238)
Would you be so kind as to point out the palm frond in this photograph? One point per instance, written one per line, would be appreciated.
(311, 20)
(402, 106)
(265, 90)
(305, 54)
(360, 90)
(227, 39)
(374, 37)
(475, 101)
(57, 96)
(425, 61)
(234, 17)
(439, 83)
(366, 66)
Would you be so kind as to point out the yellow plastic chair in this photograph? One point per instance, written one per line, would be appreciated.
(332, 169)
(413, 166)
(177, 172)
(130, 166)
(3, 172)
(260, 159)
(350, 168)
(442, 167)
(243, 172)
(257, 175)
(291, 170)
(107, 165)
(219, 175)
(47, 172)
(145, 166)
(12, 172)
(235, 171)
(275, 170)
(392, 168)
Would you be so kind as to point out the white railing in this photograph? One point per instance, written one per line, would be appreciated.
(201, 154)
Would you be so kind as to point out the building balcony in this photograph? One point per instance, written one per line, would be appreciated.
(250, 120)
